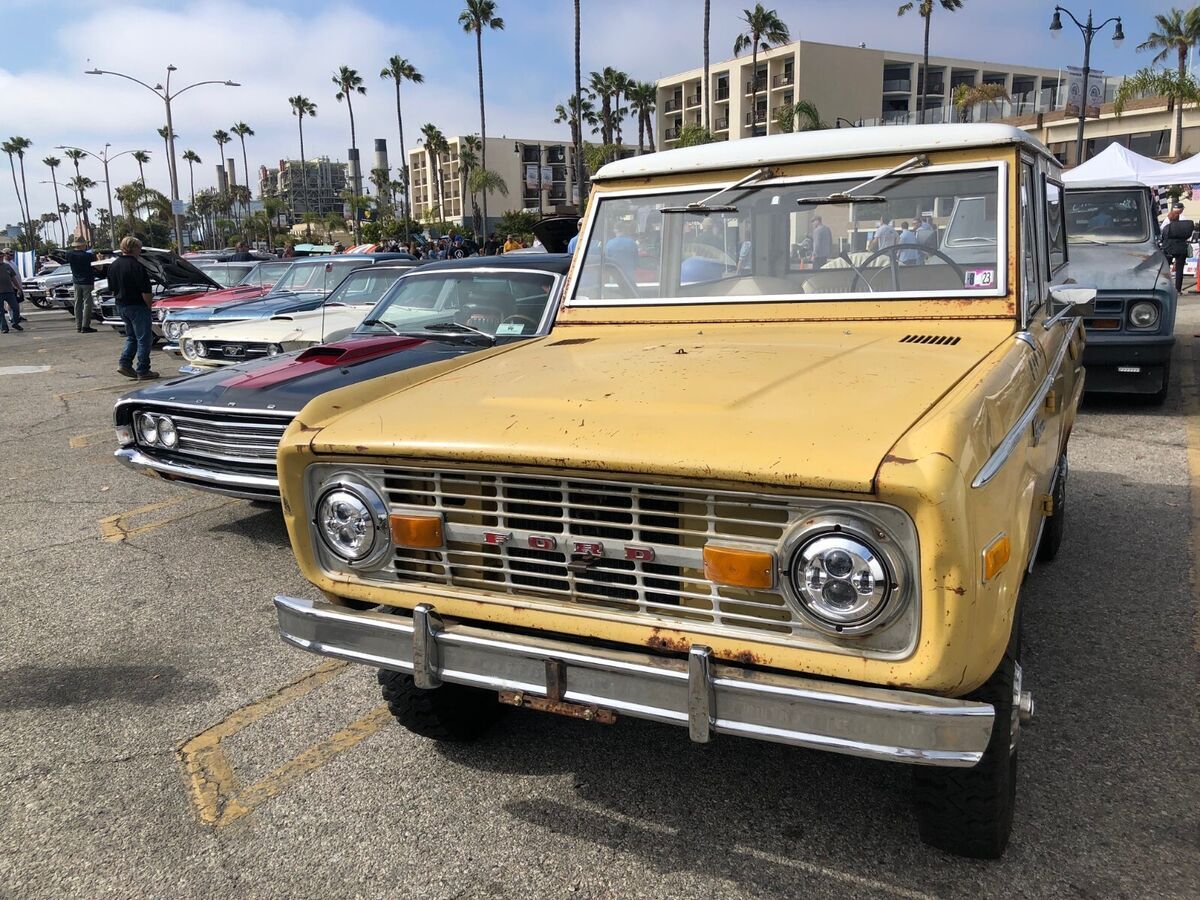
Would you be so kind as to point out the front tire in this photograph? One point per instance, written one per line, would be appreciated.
(43, 303)
(451, 713)
(969, 812)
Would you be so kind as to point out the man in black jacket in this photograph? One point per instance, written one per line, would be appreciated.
(83, 279)
(1176, 233)
(130, 284)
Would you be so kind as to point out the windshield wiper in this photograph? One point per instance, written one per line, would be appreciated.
(701, 207)
(388, 325)
(847, 196)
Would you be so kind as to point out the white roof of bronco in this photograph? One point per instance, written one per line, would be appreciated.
(807, 146)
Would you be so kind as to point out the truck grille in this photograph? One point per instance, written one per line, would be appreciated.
(489, 520)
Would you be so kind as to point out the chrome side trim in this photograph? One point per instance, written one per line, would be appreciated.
(249, 487)
(691, 692)
(1001, 454)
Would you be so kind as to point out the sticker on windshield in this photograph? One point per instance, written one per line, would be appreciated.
(979, 278)
(511, 328)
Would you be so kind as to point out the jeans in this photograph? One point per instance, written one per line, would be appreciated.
(139, 335)
(9, 299)
(83, 306)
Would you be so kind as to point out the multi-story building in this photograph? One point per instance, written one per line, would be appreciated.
(315, 187)
(540, 176)
(848, 85)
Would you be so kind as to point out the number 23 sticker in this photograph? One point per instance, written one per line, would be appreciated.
(979, 278)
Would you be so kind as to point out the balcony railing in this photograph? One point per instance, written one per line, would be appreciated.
(671, 134)
(721, 124)
(672, 105)
(693, 100)
(756, 117)
(783, 79)
(758, 84)
(722, 92)
(897, 86)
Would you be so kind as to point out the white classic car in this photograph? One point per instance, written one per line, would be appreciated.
(345, 308)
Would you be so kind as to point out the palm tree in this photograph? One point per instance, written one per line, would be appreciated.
(19, 146)
(301, 107)
(52, 163)
(141, 157)
(243, 131)
(577, 106)
(764, 30)
(435, 145)
(468, 163)
(75, 156)
(799, 116)
(81, 184)
(967, 96)
(349, 82)
(399, 70)
(11, 151)
(569, 113)
(608, 85)
(191, 157)
(1177, 31)
(1178, 88)
(705, 112)
(478, 15)
(925, 9)
(166, 136)
(642, 96)
(222, 138)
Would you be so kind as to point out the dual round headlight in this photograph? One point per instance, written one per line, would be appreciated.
(155, 430)
(842, 577)
(351, 520)
(174, 330)
(1143, 314)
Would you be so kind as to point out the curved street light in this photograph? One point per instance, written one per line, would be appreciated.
(1088, 31)
(164, 94)
(105, 159)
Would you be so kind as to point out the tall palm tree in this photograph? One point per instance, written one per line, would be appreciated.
(52, 163)
(468, 164)
(600, 84)
(764, 30)
(349, 82)
(75, 156)
(478, 15)
(621, 85)
(222, 138)
(191, 157)
(399, 70)
(925, 9)
(301, 107)
(1179, 89)
(569, 113)
(435, 145)
(705, 111)
(10, 149)
(81, 184)
(1178, 31)
(141, 157)
(20, 145)
(642, 97)
(577, 105)
(243, 131)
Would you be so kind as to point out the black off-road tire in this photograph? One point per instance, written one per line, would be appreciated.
(969, 812)
(1056, 524)
(452, 712)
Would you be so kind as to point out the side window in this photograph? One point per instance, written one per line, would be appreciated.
(1056, 232)
(1031, 281)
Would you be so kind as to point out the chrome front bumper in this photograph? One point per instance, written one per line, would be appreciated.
(698, 693)
(231, 484)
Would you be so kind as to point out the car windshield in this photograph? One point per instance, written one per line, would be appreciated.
(1109, 217)
(62, 270)
(920, 232)
(265, 273)
(364, 286)
(316, 277)
(225, 274)
(495, 302)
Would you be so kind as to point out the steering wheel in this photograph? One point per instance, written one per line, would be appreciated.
(708, 251)
(894, 252)
(519, 319)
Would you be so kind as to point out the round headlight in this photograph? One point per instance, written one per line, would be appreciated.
(167, 435)
(189, 348)
(201, 350)
(839, 579)
(147, 429)
(352, 521)
(274, 349)
(174, 330)
(1143, 314)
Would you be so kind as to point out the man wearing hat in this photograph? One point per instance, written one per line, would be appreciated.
(1176, 233)
(83, 279)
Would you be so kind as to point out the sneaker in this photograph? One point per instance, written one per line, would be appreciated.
(127, 371)
(17, 328)
(87, 330)
(147, 376)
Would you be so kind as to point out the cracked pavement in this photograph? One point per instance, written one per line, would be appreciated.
(117, 652)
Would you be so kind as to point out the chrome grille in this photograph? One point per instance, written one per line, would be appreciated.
(235, 439)
(674, 523)
(232, 350)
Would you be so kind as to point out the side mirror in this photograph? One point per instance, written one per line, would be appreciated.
(1074, 300)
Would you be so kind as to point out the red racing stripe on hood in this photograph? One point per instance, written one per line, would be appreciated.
(314, 359)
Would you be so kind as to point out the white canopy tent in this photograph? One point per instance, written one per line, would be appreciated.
(1186, 171)
(1117, 163)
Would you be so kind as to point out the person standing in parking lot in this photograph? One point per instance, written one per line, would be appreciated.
(822, 242)
(83, 279)
(130, 284)
(10, 285)
(1176, 233)
(242, 253)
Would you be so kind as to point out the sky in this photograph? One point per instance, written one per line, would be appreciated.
(278, 48)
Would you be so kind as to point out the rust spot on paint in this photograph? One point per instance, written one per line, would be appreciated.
(360, 448)
(300, 426)
(958, 590)
(898, 460)
(745, 657)
(660, 641)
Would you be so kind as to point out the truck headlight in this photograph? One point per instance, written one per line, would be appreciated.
(1143, 314)
(351, 519)
(841, 578)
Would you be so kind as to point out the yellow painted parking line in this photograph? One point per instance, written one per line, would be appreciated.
(90, 439)
(119, 527)
(217, 793)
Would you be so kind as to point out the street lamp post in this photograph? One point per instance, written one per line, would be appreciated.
(164, 94)
(105, 159)
(1088, 31)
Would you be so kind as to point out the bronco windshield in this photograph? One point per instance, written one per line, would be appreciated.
(497, 302)
(1107, 217)
(921, 232)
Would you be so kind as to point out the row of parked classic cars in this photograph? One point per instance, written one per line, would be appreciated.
(680, 474)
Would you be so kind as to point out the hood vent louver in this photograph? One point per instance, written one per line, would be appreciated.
(942, 340)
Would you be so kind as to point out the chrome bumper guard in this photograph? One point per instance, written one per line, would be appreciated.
(231, 484)
(698, 693)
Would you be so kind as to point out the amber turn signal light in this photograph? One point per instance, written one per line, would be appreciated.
(739, 568)
(421, 532)
(995, 556)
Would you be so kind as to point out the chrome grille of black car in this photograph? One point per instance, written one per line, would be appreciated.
(232, 438)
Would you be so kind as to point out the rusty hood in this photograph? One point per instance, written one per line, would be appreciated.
(814, 405)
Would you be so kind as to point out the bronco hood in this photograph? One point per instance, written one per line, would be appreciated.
(816, 405)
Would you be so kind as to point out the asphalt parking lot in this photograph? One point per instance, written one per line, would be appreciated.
(158, 739)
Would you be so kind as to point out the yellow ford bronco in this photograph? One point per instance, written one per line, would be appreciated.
(779, 471)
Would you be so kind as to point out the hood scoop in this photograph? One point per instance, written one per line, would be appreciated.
(942, 340)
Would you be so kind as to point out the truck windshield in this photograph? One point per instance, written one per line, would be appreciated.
(920, 232)
(1108, 217)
